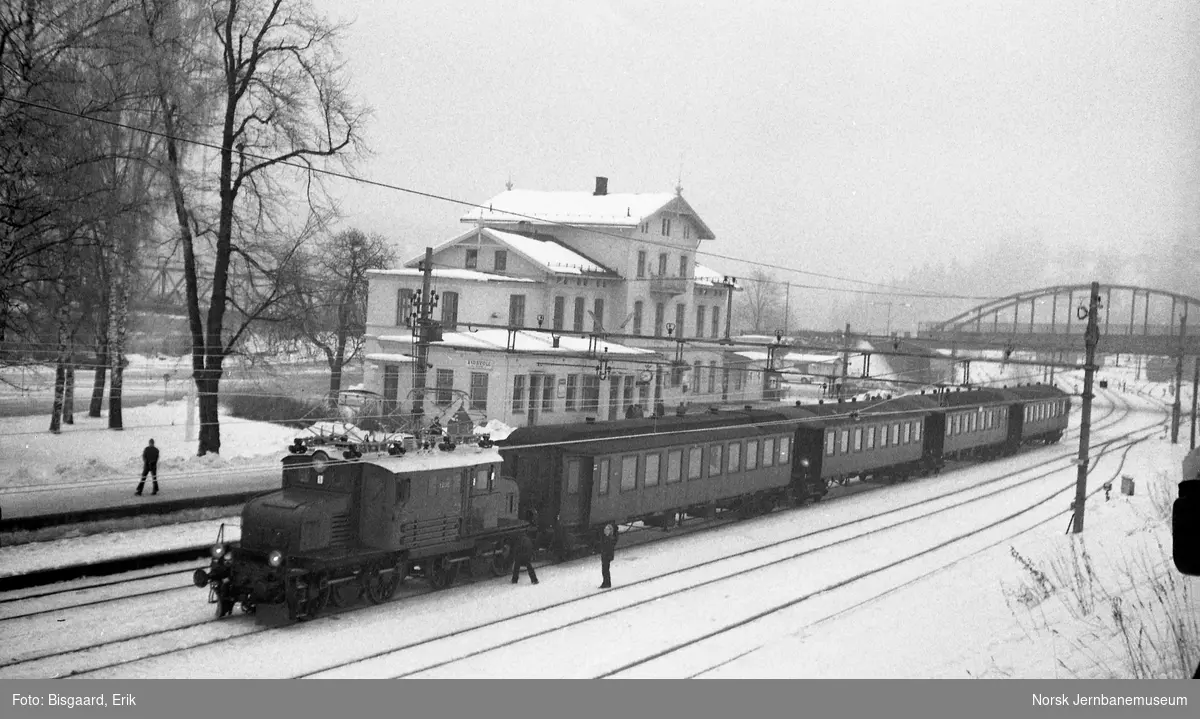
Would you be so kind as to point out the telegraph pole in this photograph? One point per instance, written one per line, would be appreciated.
(1195, 387)
(1091, 339)
(845, 361)
(1176, 410)
(421, 329)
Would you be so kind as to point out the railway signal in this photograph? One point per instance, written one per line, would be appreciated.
(1091, 339)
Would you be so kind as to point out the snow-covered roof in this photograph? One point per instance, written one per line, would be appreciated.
(525, 341)
(389, 357)
(434, 459)
(710, 277)
(450, 274)
(540, 249)
(582, 208)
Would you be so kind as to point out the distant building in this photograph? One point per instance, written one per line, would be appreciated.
(541, 283)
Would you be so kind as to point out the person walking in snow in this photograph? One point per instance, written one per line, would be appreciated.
(523, 557)
(149, 466)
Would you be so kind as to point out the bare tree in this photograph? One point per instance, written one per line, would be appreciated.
(328, 305)
(763, 305)
(283, 103)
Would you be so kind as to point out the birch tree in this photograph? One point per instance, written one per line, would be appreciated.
(281, 103)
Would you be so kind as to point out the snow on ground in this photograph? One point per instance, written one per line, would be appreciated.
(1042, 604)
(30, 455)
(993, 615)
(79, 551)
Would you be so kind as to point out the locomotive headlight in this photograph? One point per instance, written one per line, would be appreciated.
(275, 558)
(320, 462)
(803, 462)
(217, 551)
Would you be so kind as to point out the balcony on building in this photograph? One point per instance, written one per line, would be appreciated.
(663, 285)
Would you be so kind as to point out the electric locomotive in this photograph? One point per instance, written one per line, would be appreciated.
(357, 518)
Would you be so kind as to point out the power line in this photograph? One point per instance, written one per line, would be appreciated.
(443, 198)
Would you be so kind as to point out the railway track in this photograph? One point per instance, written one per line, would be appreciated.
(579, 615)
(200, 634)
(217, 637)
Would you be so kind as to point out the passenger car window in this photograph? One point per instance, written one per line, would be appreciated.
(650, 473)
(714, 459)
(674, 465)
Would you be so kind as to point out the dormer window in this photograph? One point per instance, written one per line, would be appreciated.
(501, 260)
(472, 259)
(687, 231)
(666, 226)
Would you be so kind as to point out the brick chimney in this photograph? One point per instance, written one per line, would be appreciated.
(601, 186)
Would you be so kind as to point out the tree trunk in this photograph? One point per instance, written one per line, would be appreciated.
(69, 394)
(98, 384)
(337, 361)
(207, 386)
(117, 319)
(62, 315)
(56, 412)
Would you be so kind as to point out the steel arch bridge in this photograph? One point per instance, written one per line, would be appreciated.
(1137, 320)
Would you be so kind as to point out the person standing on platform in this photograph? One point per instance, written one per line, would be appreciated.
(523, 557)
(608, 547)
(149, 466)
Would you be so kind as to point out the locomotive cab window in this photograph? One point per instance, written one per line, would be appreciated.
(784, 445)
(843, 444)
(768, 452)
(602, 476)
(917, 430)
(830, 444)
(752, 453)
(907, 432)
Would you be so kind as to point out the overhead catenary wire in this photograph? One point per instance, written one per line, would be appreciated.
(895, 290)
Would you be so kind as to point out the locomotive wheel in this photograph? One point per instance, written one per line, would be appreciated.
(442, 573)
(224, 603)
(766, 504)
(345, 594)
(382, 587)
(501, 559)
(224, 607)
(318, 599)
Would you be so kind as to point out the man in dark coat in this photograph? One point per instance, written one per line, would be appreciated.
(608, 547)
(523, 556)
(149, 466)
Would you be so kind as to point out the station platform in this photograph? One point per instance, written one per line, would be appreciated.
(30, 508)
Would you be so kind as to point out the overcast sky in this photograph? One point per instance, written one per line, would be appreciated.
(852, 138)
